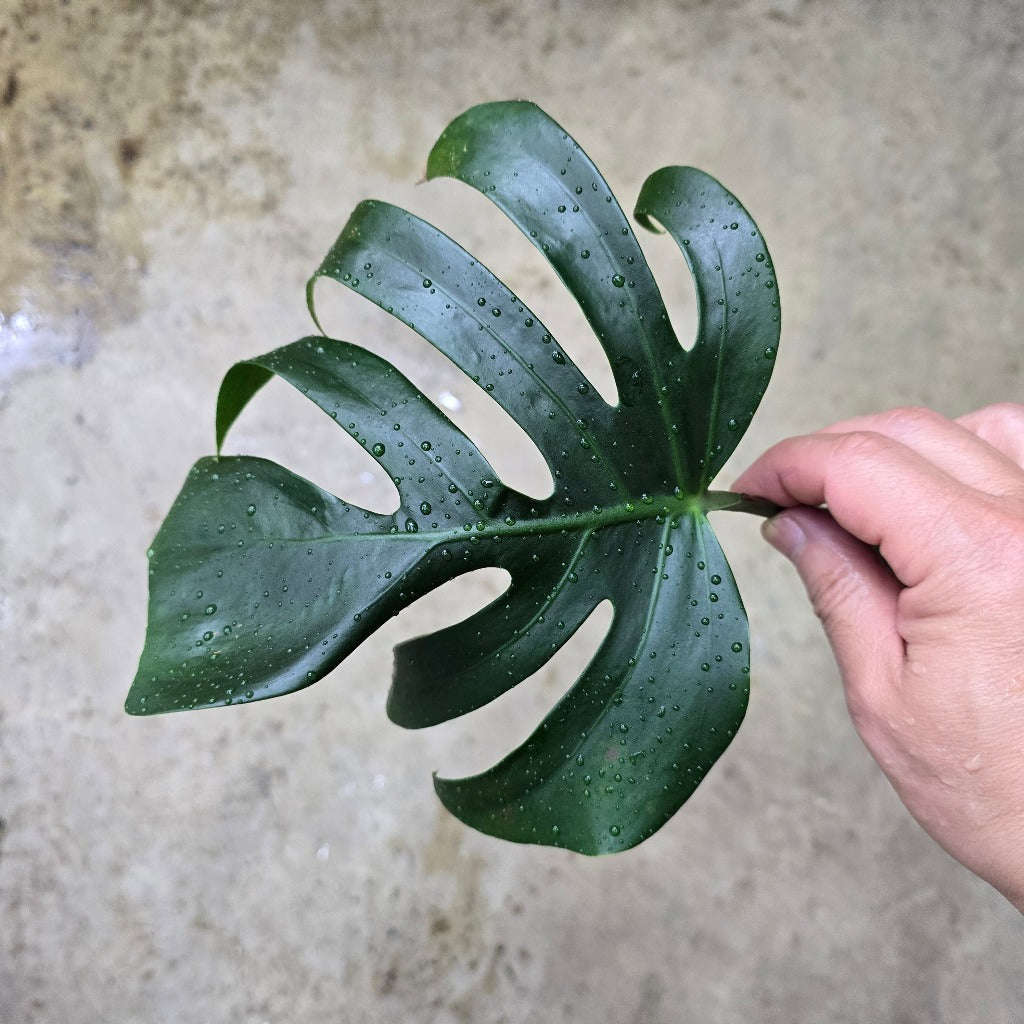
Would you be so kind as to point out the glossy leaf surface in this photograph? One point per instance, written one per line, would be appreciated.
(261, 582)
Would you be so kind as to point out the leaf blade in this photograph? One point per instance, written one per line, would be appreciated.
(737, 300)
(423, 278)
(603, 772)
(246, 605)
(487, 654)
(525, 163)
(369, 399)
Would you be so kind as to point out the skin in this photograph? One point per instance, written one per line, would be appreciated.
(915, 566)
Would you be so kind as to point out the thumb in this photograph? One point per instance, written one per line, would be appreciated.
(853, 592)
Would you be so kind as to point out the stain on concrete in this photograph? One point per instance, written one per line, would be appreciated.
(443, 952)
(10, 93)
(108, 114)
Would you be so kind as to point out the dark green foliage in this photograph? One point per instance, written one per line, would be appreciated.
(261, 583)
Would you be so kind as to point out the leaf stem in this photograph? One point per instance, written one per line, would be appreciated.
(730, 501)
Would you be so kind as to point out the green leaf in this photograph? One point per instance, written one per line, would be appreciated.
(261, 582)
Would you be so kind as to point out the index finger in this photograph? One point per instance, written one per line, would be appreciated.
(879, 490)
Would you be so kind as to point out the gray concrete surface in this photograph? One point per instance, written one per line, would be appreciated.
(169, 175)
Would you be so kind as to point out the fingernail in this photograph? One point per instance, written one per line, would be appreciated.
(784, 534)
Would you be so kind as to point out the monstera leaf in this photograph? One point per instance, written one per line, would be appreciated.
(261, 582)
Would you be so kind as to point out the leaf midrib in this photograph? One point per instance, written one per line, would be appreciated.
(669, 506)
(716, 391)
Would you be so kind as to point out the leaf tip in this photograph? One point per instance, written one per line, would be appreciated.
(135, 705)
(311, 302)
(645, 220)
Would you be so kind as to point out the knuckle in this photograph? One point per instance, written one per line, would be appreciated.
(907, 420)
(1006, 414)
(859, 445)
(1002, 425)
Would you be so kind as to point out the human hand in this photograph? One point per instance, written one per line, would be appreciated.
(929, 637)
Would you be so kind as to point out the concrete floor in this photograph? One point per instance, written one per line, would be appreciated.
(170, 173)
